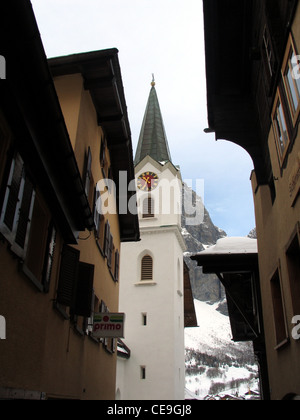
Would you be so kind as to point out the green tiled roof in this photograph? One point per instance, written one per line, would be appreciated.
(153, 140)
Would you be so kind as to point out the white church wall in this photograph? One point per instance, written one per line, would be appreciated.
(159, 346)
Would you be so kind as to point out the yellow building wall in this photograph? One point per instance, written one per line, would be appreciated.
(276, 224)
(43, 351)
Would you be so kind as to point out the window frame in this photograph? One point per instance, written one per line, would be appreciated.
(287, 65)
(21, 189)
(269, 51)
(281, 152)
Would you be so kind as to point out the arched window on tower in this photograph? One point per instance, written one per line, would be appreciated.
(148, 207)
(147, 268)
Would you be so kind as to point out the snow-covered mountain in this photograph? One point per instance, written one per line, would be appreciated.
(215, 365)
(198, 237)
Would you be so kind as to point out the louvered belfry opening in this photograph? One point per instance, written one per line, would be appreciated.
(147, 268)
(148, 207)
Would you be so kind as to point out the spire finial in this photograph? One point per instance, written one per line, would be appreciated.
(153, 80)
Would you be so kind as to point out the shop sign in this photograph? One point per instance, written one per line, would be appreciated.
(107, 325)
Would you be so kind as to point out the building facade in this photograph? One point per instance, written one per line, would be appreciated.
(254, 101)
(63, 128)
(152, 287)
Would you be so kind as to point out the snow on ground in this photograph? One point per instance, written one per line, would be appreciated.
(213, 330)
(213, 337)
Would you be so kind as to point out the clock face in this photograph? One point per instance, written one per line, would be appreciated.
(147, 181)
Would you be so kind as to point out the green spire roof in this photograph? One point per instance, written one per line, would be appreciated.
(153, 140)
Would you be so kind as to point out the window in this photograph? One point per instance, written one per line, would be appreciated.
(268, 50)
(147, 268)
(280, 128)
(269, 58)
(148, 207)
(293, 263)
(291, 79)
(144, 319)
(279, 311)
(143, 372)
(26, 224)
(103, 158)
(17, 208)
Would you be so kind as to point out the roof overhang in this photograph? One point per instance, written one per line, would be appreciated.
(231, 112)
(235, 262)
(230, 254)
(102, 78)
(30, 105)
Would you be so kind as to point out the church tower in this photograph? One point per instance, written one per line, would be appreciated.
(151, 282)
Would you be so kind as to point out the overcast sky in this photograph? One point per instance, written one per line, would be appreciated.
(164, 37)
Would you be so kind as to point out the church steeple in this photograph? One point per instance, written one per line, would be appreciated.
(153, 140)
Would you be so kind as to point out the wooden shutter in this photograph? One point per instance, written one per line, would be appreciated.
(102, 153)
(12, 192)
(84, 290)
(117, 265)
(51, 242)
(68, 275)
(147, 268)
(106, 239)
(88, 172)
(25, 214)
(12, 199)
(110, 250)
(17, 208)
(97, 214)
